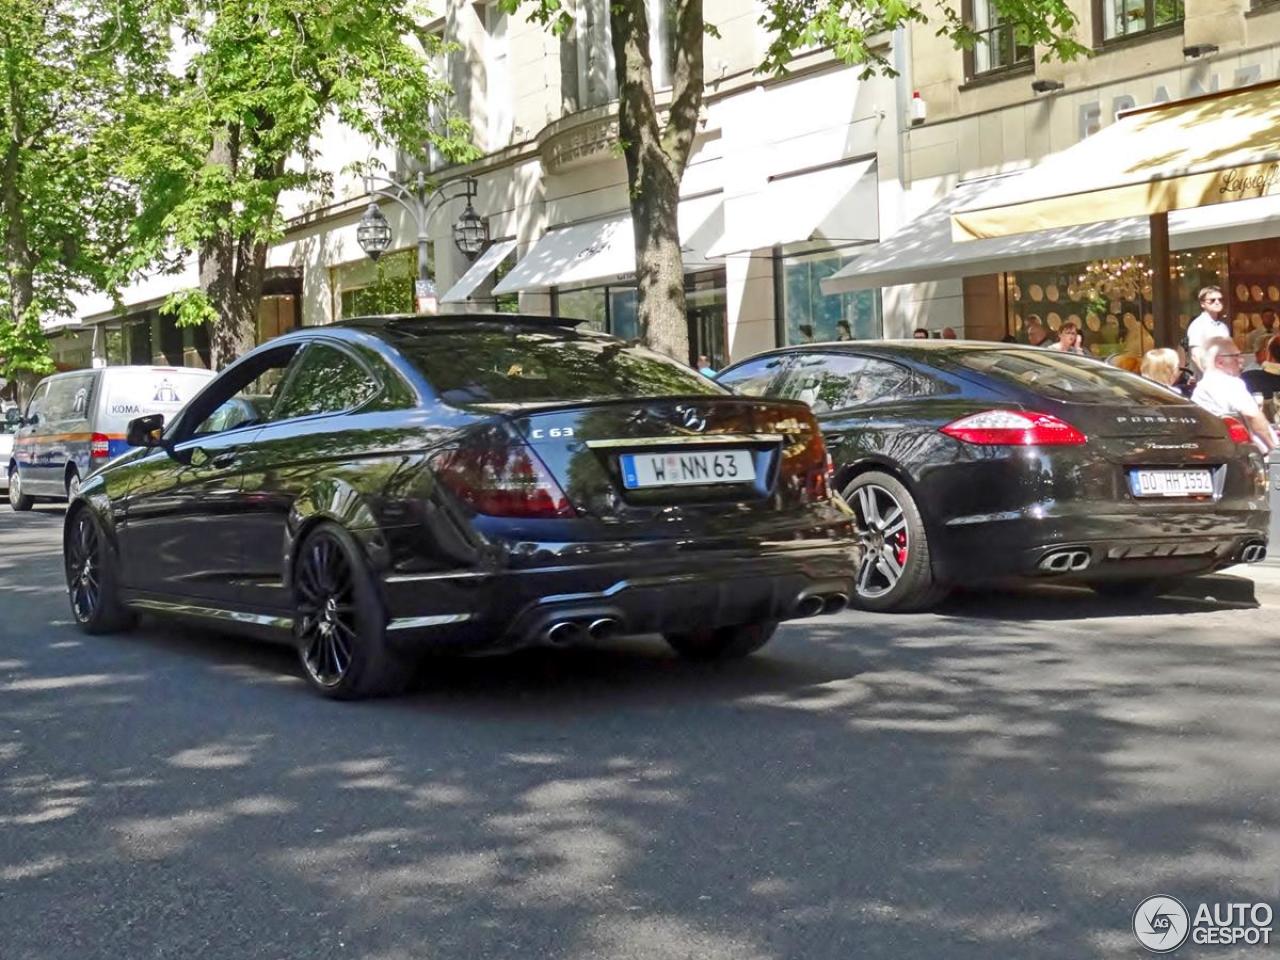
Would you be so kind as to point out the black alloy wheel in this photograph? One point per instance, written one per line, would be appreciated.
(895, 572)
(340, 622)
(722, 643)
(91, 577)
(17, 499)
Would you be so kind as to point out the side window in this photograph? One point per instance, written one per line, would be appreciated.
(68, 398)
(327, 380)
(241, 397)
(882, 380)
(825, 381)
(36, 405)
(753, 378)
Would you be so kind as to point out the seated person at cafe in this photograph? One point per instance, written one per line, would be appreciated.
(1266, 378)
(1223, 393)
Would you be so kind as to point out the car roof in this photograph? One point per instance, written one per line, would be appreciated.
(426, 324)
(930, 349)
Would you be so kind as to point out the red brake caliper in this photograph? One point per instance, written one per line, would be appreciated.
(900, 541)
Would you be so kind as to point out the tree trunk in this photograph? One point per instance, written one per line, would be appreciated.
(232, 270)
(656, 160)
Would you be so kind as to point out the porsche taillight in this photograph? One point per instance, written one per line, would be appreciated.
(1236, 430)
(1017, 428)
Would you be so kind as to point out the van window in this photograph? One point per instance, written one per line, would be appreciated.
(138, 393)
(68, 398)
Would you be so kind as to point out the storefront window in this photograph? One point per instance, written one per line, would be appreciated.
(613, 309)
(1110, 300)
(368, 289)
(813, 317)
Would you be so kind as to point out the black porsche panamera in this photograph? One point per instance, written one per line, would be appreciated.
(393, 486)
(969, 462)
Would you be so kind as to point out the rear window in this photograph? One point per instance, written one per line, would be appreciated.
(529, 366)
(1063, 377)
(138, 393)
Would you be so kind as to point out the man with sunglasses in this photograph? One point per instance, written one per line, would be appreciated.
(1208, 325)
(1223, 393)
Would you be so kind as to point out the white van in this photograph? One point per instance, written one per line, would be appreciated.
(75, 422)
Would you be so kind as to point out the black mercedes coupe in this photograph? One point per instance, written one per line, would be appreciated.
(969, 462)
(393, 486)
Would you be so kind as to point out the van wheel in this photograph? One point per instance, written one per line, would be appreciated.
(17, 499)
(73, 485)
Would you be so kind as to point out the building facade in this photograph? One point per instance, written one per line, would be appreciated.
(792, 181)
(998, 110)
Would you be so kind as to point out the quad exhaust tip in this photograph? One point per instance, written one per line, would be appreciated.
(1254, 552)
(1065, 561)
(810, 606)
(563, 632)
(604, 628)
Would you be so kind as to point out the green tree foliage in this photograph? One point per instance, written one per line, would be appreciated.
(243, 126)
(657, 142)
(72, 69)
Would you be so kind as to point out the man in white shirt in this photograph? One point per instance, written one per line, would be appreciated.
(1208, 324)
(1223, 393)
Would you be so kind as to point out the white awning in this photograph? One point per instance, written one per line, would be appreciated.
(605, 249)
(478, 272)
(836, 204)
(923, 250)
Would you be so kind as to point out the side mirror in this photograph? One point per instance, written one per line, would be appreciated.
(145, 431)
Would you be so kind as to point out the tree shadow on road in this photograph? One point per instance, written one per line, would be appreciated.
(947, 784)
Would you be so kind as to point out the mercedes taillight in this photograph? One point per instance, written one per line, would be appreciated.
(502, 480)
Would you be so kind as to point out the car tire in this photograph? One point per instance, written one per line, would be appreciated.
(723, 643)
(1146, 588)
(89, 561)
(895, 572)
(73, 485)
(17, 499)
(340, 621)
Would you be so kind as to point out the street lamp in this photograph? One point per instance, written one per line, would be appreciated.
(421, 202)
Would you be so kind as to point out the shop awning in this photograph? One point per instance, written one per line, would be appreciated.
(924, 251)
(1171, 156)
(605, 249)
(478, 272)
(837, 204)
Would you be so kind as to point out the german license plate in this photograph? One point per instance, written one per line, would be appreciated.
(1171, 483)
(686, 469)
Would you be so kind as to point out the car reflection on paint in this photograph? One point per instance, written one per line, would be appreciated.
(389, 487)
(968, 462)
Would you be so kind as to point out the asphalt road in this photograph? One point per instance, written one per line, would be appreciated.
(1006, 778)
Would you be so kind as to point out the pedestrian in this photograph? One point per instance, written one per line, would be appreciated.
(1068, 339)
(948, 333)
(704, 366)
(1222, 392)
(1210, 323)
(920, 333)
(1161, 366)
(1260, 339)
(1266, 378)
(1036, 333)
